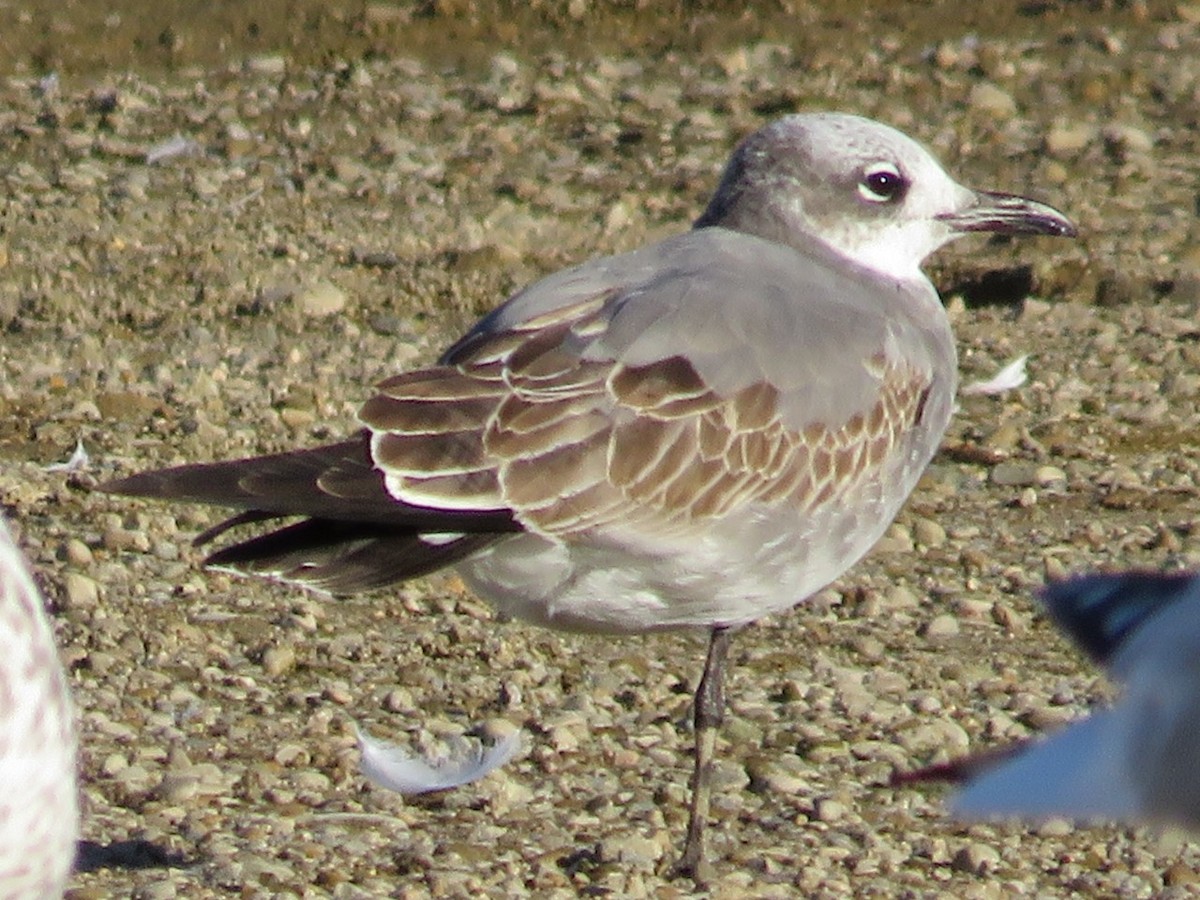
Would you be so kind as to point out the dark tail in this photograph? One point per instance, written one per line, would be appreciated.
(353, 534)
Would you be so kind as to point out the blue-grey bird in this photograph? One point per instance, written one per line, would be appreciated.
(1134, 762)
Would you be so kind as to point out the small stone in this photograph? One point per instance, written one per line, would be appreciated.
(78, 553)
(293, 755)
(563, 739)
(631, 850)
(829, 810)
(100, 662)
(1069, 138)
(266, 64)
(973, 609)
(336, 693)
(1180, 874)
(279, 659)
(117, 538)
(1055, 569)
(1127, 139)
(770, 775)
(987, 98)
(238, 141)
(1050, 476)
(157, 890)
(1014, 474)
(297, 419)
(943, 626)
(509, 794)
(80, 591)
(929, 533)
(178, 787)
(321, 299)
(399, 700)
(899, 599)
(897, 539)
(1009, 619)
(976, 858)
(944, 735)
(114, 763)
(1056, 827)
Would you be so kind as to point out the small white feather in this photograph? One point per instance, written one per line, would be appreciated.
(77, 463)
(1009, 378)
(396, 769)
(171, 148)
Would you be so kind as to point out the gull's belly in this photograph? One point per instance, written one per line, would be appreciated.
(728, 573)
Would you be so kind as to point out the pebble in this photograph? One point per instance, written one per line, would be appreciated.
(78, 553)
(943, 626)
(1055, 828)
(976, 858)
(321, 299)
(928, 533)
(783, 775)
(1014, 474)
(899, 598)
(1050, 476)
(1066, 139)
(632, 850)
(938, 734)
(80, 591)
(1180, 874)
(279, 659)
(830, 810)
(991, 100)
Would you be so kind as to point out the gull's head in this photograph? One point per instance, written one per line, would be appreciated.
(867, 190)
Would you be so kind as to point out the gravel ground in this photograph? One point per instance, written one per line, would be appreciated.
(219, 261)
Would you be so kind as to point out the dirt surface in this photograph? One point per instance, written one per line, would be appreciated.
(216, 234)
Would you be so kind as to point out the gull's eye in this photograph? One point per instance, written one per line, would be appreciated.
(883, 183)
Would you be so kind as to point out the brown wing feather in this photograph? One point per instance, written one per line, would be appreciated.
(570, 445)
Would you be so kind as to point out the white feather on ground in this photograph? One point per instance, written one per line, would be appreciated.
(1011, 377)
(397, 769)
(78, 461)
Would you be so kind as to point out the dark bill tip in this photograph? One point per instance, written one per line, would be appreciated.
(1009, 214)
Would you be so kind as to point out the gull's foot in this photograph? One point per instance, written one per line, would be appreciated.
(693, 866)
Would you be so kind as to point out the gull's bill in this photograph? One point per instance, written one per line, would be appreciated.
(396, 769)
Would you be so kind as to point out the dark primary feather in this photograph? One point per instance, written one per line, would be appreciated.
(338, 481)
(1100, 612)
(345, 557)
(356, 537)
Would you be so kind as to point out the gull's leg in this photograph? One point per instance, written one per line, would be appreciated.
(709, 712)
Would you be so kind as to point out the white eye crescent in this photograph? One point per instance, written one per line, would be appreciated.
(882, 182)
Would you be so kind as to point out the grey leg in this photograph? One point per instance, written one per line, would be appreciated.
(709, 713)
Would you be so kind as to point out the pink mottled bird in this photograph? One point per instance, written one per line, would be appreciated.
(39, 805)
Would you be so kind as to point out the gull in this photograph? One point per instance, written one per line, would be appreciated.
(1134, 762)
(694, 434)
(39, 804)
